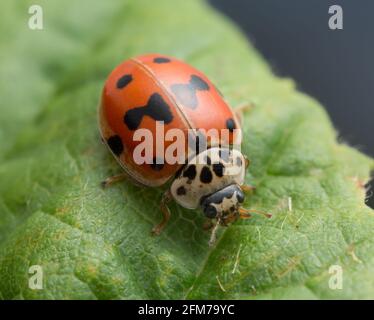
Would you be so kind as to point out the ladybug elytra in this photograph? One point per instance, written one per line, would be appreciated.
(147, 90)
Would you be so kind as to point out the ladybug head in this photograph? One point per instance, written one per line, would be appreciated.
(224, 204)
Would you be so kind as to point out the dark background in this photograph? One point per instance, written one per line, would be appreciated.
(334, 66)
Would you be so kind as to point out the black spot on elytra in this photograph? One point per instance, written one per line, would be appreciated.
(161, 60)
(115, 144)
(198, 83)
(186, 93)
(218, 169)
(124, 81)
(156, 108)
(181, 191)
(157, 166)
(224, 154)
(206, 175)
(230, 124)
(190, 172)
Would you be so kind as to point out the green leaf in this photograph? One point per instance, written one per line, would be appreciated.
(94, 243)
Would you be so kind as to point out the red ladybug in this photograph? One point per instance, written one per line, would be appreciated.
(146, 90)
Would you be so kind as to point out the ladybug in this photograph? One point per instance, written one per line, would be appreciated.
(147, 90)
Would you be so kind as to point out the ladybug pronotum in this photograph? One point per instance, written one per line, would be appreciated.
(147, 90)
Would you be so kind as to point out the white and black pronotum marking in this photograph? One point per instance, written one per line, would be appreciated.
(209, 175)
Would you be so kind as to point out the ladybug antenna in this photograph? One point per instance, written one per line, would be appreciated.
(245, 213)
(213, 235)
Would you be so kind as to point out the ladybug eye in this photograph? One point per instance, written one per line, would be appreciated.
(240, 196)
(210, 212)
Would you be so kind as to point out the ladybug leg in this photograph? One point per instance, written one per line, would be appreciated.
(245, 216)
(247, 188)
(208, 225)
(110, 180)
(166, 198)
(244, 213)
(247, 161)
(213, 235)
(240, 109)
